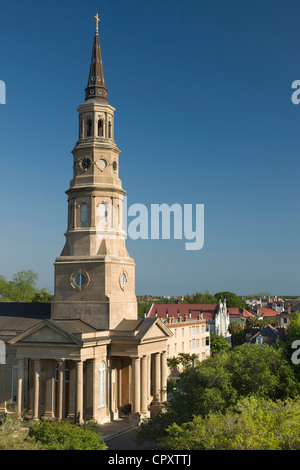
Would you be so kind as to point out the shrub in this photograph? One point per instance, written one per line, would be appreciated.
(64, 435)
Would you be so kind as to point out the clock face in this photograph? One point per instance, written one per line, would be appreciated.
(115, 166)
(86, 163)
(101, 164)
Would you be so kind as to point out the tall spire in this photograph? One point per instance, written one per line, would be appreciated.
(96, 84)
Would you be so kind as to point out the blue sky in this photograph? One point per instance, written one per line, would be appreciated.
(202, 91)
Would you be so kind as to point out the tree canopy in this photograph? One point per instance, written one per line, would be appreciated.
(217, 384)
(23, 288)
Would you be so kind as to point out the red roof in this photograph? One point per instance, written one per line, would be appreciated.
(238, 312)
(208, 310)
(267, 312)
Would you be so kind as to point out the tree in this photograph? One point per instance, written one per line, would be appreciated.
(22, 288)
(252, 424)
(200, 298)
(218, 344)
(232, 300)
(42, 296)
(218, 383)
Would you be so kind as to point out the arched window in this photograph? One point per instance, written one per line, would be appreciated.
(102, 385)
(71, 216)
(81, 120)
(89, 129)
(103, 213)
(14, 385)
(100, 128)
(109, 130)
(83, 215)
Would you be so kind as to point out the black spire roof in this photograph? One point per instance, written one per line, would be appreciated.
(96, 84)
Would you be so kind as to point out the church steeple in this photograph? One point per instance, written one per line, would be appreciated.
(94, 275)
(96, 88)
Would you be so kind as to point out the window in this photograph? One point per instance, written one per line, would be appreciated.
(89, 129)
(103, 213)
(197, 330)
(175, 348)
(109, 130)
(71, 216)
(175, 332)
(102, 384)
(83, 215)
(100, 128)
(118, 215)
(182, 332)
(182, 347)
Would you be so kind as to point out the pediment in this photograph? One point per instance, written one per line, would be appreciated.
(46, 332)
(157, 330)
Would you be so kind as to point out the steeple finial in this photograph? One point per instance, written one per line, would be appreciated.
(96, 88)
(97, 21)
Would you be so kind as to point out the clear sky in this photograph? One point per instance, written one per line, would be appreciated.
(202, 91)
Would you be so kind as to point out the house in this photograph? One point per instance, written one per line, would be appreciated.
(268, 335)
(216, 315)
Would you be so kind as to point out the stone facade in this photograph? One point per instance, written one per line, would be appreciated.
(93, 358)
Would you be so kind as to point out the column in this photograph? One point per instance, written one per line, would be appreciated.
(164, 376)
(149, 378)
(95, 380)
(60, 390)
(50, 387)
(79, 391)
(36, 381)
(20, 385)
(157, 376)
(136, 384)
(145, 381)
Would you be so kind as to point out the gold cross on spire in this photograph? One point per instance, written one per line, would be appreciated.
(97, 21)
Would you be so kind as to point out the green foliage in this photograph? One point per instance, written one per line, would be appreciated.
(216, 385)
(64, 435)
(218, 344)
(253, 424)
(232, 300)
(22, 288)
(200, 298)
(13, 436)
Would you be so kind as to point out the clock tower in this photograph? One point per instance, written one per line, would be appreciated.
(94, 275)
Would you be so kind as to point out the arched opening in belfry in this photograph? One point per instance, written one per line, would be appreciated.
(100, 128)
(89, 130)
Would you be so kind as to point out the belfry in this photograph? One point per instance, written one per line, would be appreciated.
(91, 357)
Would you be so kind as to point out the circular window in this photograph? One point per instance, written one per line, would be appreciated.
(79, 280)
(123, 279)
